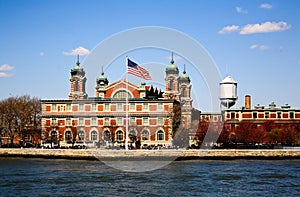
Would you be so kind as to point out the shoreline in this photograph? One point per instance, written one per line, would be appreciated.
(178, 155)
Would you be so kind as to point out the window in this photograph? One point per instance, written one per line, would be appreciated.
(145, 121)
(132, 136)
(171, 84)
(267, 114)
(278, 114)
(106, 107)
(54, 107)
(68, 121)
(160, 135)
(254, 114)
(160, 106)
(80, 121)
(53, 135)
(132, 106)
(106, 136)
(68, 107)
(145, 106)
(94, 135)
(145, 135)
(54, 122)
(292, 115)
(119, 107)
(76, 86)
(160, 121)
(232, 115)
(132, 121)
(119, 135)
(94, 106)
(68, 136)
(183, 93)
(80, 107)
(121, 94)
(94, 121)
(81, 135)
(119, 121)
(106, 121)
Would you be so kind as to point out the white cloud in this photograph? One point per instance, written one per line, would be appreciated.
(42, 53)
(260, 47)
(266, 6)
(6, 67)
(241, 10)
(78, 51)
(229, 29)
(266, 27)
(5, 75)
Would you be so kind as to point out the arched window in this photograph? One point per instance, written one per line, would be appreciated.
(160, 135)
(81, 135)
(183, 93)
(120, 135)
(94, 135)
(121, 94)
(53, 135)
(76, 86)
(68, 136)
(106, 136)
(132, 136)
(145, 135)
(171, 84)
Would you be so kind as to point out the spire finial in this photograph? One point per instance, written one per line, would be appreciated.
(102, 73)
(78, 63)
(172, 59)
(184, 69)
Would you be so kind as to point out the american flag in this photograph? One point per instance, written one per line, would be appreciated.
(134, 69)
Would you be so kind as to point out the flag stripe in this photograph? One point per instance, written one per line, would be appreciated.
(135, 69)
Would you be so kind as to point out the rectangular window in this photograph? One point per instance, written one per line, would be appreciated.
(106, 121)
(80, 121)
(232, 115)
(119, 107)
(54, 107)
(278, 114)
(255, 115)
(132, 120)
(119, 121)
(145, 121)
(68, 122)
(160, 106)
(160, 122)
(80, 107)
(94, 121)
(145, 106)
(54, 121)
(94, 106)
(106, 107)
(132, 106)
(267, 114)
(68, 107)
(292, 115)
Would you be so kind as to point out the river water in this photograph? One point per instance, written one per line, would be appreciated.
(58, 177)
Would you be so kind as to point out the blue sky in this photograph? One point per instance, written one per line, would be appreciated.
(256, 42)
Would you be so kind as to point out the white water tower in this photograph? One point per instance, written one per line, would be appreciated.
(228, 92)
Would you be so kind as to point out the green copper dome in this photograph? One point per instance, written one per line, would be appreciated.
(184, 76)
(172, 66)
(77, 69)
(102, 79)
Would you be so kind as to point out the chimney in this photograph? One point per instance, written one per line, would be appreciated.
(247, 102)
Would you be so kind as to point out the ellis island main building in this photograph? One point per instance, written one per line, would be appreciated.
(153, 116)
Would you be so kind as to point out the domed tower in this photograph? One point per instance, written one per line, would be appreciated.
(228, 92)
(77, 82)
(185, 87)
(102, 82)
(172, 76)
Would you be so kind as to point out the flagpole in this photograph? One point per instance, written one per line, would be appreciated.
(126, 130)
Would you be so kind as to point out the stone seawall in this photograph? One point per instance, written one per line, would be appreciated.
(93, 154)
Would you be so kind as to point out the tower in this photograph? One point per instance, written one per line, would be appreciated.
(77, 82)
(228, 92)
(185, 98)
(172, 88)
(102, 82)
